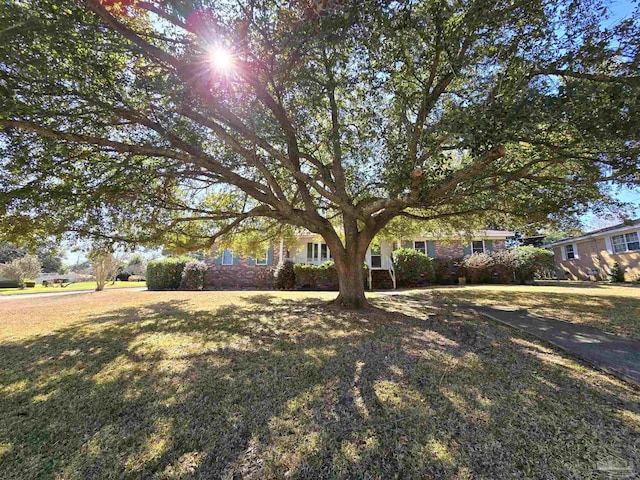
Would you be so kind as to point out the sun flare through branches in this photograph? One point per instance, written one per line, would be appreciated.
(221, 59)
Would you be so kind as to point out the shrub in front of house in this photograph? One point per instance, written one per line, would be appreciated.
(136, 278)
(412, 267)
(166, 273)
(193, 275)
(285, 276)
(305, 276)
(446, 272)
(504, 265)
(327, 276)
(531, 261)
(320, 277)
(478, 268)
(616, 273)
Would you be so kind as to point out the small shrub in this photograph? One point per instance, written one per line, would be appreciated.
(616, 273)
(136, 278)
(531, 261)
(412, 267)
(29, 284)
(504, 265)
(193, 275)
(165, 273)
(478, 268)
(285, 276)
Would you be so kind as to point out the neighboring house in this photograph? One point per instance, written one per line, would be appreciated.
(590, 256)
(227, 270)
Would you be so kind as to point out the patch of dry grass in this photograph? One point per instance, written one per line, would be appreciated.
(264, 385)
(612, 308)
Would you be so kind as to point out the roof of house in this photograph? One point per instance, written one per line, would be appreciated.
(620, 227)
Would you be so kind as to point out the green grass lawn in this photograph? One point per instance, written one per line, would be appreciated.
(68, 288)
(258, 385)
(612, 308)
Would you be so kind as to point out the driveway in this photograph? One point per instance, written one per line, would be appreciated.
(615, 354)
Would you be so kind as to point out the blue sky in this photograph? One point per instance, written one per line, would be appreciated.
(620, 9)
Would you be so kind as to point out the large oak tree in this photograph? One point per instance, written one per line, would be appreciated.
(183, 122)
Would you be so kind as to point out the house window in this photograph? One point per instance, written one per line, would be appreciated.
(376, 256)
(569, 251)
(317, 252)
(626, 242)
(227, 257)
(477, 246)
(324, 252)
(420, 246)
(262, 260)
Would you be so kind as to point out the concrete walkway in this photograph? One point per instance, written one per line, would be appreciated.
(617, 355)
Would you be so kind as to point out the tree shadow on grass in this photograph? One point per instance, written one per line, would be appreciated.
(275, 388)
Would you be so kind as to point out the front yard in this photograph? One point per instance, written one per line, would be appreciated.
(612, 308)
(126, 384)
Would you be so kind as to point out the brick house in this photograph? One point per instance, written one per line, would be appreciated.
(227, 270)
(590, 256)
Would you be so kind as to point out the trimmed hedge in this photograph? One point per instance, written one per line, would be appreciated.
(193, 275)
(316, 277)
(320, 277)
(9, 284)
(166, 273)
(412, 267)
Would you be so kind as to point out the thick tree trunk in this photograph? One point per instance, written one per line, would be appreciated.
(351, 281)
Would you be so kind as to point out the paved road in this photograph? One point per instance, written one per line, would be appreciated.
(613, 353)
(58, 294)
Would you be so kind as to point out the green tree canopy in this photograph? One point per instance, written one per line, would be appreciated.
(179, 122)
